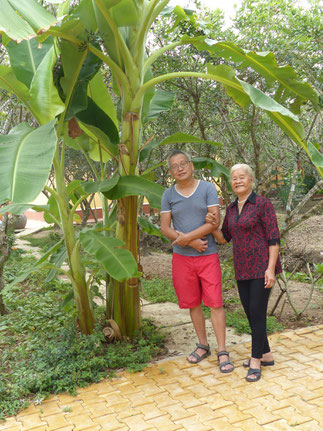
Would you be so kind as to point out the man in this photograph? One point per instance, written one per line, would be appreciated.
(195, 265)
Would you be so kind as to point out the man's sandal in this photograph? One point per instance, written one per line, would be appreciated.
(246, 363)
(253, 371)
(223, 364)
(198, 357)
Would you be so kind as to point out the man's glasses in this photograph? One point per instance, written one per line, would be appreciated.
(182, 165)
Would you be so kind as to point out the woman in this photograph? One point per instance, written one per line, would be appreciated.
(251, 223)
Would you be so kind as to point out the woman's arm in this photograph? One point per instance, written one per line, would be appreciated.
(270, 271)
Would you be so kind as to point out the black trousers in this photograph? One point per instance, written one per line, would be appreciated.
(254, 298)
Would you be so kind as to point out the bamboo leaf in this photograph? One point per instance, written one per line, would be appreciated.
(26, 156)
(133, 185)
(118, 262)
(44, 98)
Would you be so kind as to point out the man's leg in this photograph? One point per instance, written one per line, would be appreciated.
(198, 321)
(219, 327)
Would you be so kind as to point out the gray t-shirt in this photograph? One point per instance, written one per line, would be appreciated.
(188, 213)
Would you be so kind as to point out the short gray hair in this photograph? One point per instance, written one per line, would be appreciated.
(175, 153)
(247, 168)
(244, 166)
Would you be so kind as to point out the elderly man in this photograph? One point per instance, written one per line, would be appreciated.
(195, 265)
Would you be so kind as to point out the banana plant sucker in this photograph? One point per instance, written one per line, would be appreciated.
(77, 271)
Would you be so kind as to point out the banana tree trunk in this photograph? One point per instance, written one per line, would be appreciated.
(123, 300)
(123, 303)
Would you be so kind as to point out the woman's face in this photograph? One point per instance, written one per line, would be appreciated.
(241, 182)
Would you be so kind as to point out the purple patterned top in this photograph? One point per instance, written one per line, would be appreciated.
(252, 232)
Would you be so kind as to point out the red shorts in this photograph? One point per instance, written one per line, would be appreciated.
(197, 278)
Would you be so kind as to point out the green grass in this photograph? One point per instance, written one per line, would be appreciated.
(239, 322)
(44, 242)
(158, 290)
(41, 350)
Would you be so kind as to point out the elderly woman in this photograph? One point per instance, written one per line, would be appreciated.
(251, 223)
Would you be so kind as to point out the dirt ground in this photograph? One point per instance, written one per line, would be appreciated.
(303, 243)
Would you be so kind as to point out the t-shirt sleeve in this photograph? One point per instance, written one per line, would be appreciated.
(225, 228)
(211, 195)
(269, 222)
(165, 202)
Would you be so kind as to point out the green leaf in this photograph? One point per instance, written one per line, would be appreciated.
(95, 116)
(26, 56)
(99, 93)
(316, 155)
(226, 75)
(57, 259)
(20, 208)
(101, 147)
(85, 12)
(26, 156)
(80, 142)
(100, 186)
(178, 138)
(41, 263)
(151, 229)
(133, 185)
(161, 102)
(10, 83)
(23, 19)
(118, 262)
(44, 98)
(216, 169)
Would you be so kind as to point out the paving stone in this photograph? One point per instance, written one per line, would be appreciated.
(176, 412)
(164, 423)
(216, 401)
(150, 411)
(192, 424)
(72, 409)
(291, 416)
(248, 425)
(233, 414)
(280, 425)
(109, 422)
(10, 423)
(32, 421)
(220, 424)
(136, 423)
(309, 426)
(99, 409)
(189, 400)
(57, 421)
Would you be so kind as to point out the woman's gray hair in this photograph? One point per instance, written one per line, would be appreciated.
(175, 153)
(244, 166)
(247, 168)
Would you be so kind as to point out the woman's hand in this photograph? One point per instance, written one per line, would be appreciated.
(199, 245)
(269, 278)
(211, 218)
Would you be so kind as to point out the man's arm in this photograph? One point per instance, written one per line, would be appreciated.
(183, 239)
(165, 226)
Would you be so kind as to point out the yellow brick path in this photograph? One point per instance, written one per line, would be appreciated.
(174, 395)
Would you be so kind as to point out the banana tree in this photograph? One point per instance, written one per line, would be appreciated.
(114, 33)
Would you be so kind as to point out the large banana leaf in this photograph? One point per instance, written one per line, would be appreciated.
(177, 138)
(151, 229)
(85, 12)
(100, 186)
(23, 19)
(101, 147)
(99, 93)
(26, 156)
(10, 83)
(133, 185)
(118, 262)
(26, 56)
(162, 101)
(44, 98)
(264, 63)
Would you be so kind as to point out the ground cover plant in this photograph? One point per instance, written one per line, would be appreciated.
(41, 349)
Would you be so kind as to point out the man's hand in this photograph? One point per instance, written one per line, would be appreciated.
(199, 245)
(182, 239)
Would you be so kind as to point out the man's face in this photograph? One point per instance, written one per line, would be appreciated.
(180, 167)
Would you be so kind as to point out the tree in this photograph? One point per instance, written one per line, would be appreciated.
(74, 102)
